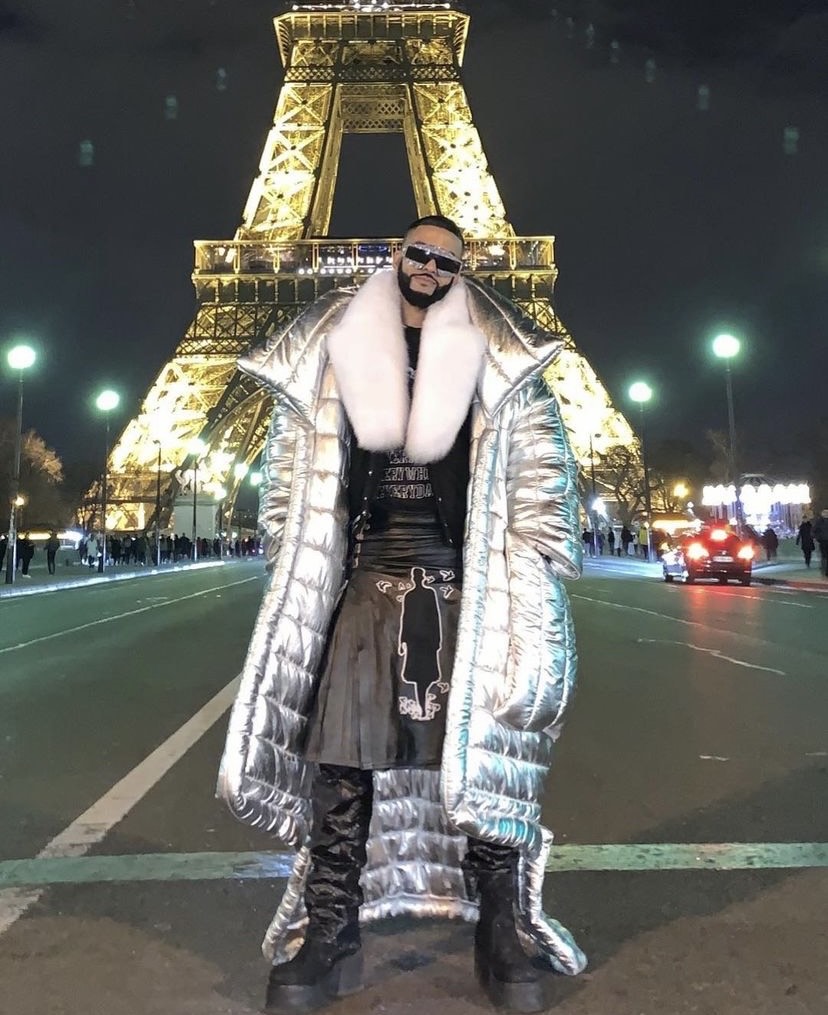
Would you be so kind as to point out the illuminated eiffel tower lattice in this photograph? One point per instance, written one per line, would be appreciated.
(349, 68)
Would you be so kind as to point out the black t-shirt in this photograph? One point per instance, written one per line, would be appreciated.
(403, 530)
(403, 485)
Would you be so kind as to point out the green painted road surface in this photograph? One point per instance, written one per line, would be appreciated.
(257, 866)
(688, 802)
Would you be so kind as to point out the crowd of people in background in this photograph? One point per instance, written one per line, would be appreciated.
(25, 552)
(137, 548)
(813, 533)
(123, 549)
(621, 543)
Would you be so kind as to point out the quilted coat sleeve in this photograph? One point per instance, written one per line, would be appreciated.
(542, 482)
(277, 470)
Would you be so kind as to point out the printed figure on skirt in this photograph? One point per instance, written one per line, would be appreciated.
(414, 655)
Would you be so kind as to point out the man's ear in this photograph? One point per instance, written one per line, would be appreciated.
(396, 259)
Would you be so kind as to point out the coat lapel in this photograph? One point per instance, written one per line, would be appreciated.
(366, 346)
(370, 362)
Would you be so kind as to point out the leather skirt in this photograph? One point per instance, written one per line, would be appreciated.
(385, 678)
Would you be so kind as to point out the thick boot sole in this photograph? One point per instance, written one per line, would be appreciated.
(520, 997)
(344, 978)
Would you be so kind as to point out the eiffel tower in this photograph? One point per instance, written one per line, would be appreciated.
(359, 67)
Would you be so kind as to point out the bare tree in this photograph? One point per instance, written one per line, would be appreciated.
(41, 476)
(621, 475)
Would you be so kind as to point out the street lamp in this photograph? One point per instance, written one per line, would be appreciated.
(642, 393)
(20, 358)
(158, 507)
(220, 494)
(197, 448)
(106, 401)
(240, 472)
(594, 504)
(725, 347)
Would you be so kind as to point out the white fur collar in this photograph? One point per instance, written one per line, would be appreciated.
(369, 357)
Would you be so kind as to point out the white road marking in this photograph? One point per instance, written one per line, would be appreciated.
(120, 616)
(733, 594)
(640, 609)
(676, 620)
(92, 826)
(713, 652)
(712, 757)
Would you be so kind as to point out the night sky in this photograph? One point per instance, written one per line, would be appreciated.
(671, 223)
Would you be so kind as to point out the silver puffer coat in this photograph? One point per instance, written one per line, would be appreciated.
(514, 669)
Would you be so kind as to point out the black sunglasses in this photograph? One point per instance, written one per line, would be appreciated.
(445, 264)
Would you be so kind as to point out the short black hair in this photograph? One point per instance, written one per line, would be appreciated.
(442, 222)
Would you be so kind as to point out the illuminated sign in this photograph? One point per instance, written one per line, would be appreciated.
(757, 499)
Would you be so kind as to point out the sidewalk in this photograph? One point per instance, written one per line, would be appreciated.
(72, 575)
(791, 572)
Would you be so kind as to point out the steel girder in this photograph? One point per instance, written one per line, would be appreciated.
(346, 71)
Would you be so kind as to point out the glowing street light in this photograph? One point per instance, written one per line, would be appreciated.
(19, 358)
(641, 392)
(106, 401)
(197, 449)
(726, 347)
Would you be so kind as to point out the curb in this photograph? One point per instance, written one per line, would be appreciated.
(793, 583)
(82, 583)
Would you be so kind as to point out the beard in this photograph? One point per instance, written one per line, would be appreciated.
(422, 301)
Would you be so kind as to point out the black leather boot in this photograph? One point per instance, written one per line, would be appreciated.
(329, 963)
(503, 969)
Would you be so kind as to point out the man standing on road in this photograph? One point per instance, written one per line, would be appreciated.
(25, 553)
(414, 653)
(52, 547)
(820, 534)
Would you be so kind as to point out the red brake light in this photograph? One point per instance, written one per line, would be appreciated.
(695, 551)
(746, 553)
(718, 535)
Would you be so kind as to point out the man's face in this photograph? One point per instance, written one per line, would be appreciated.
(428, 265)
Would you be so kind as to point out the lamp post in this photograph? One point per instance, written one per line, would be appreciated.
(106, 402)
(220, 494)
(240, 471)
(642, 393)
(725, 347)
(158, 507)
(19, 358)
(594, 504)
(197, 448)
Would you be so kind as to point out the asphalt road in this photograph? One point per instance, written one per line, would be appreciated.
(701, 718)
